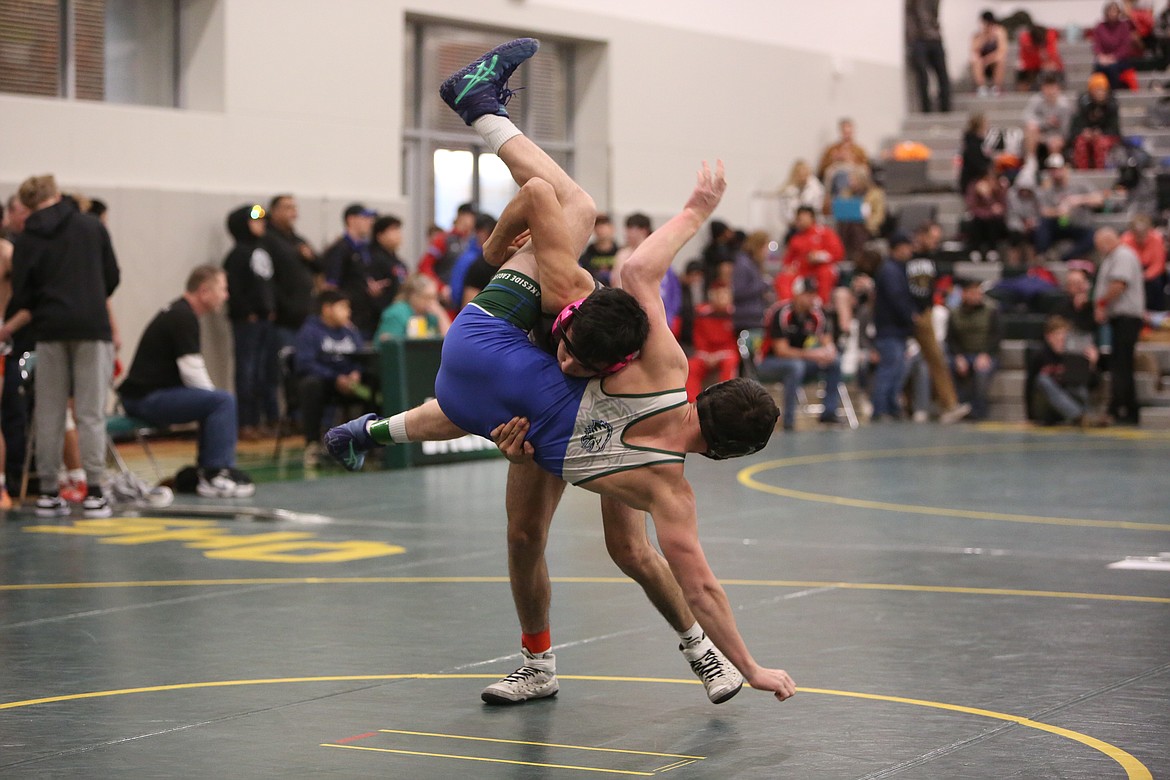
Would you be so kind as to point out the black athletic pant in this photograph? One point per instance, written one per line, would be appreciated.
(926, 55)
(1123, 393)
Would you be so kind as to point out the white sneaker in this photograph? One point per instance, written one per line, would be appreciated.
(954, 415)
(96, 506)
(920, 416)
(720, 678)
(52, 506)
(536, 679)
(220, 484)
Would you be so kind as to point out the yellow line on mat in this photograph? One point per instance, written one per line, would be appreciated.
(539, 744)
(491, 760)
(1051, 594)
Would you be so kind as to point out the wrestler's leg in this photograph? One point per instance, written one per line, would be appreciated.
(532, 498)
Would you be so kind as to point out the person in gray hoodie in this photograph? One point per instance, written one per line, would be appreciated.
(63, 270)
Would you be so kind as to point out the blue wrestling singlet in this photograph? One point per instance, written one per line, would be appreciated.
(490, 372)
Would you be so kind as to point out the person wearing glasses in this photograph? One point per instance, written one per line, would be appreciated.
(618, 424)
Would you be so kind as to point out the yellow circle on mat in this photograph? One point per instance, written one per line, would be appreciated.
(1134, 769)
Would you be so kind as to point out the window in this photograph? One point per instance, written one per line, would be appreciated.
(445, 162)
(120, 51)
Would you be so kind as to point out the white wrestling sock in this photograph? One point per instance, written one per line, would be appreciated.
(495, 130)
(691, 635)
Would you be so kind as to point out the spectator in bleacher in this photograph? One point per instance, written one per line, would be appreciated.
(368, 279)
(598, 257)
(922, 278)
(893, 317)
(252, 310)
(1039, 56)
(989, 52)
(63, 273)
(1021, 219)
(387, 233)
(974, 333)
(841, 158)
(446, 247)
(295, 268)
(801, 189)
(1047, 119)
(975, 161)
(1095, 126)
(477, 277)
(1061, 377)
(1150, 246)
(1064, 211)
(1077, 305)
(168, 384)
(1141, 21)
(798, 348)
(352, 248)
(924, 41)
(327, 366)
(14, 412)
(472, 254)
(986, 202)
(859, 212)
(814, 250)
(418, 312)
(719, 253)
(749, 286)
(1120, 300)
(1113, 40)
(638, 229)
(714, 337)
(693, 293)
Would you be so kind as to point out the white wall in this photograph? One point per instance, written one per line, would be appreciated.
(306, 97)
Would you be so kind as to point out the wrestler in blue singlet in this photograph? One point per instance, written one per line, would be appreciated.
(490, 371)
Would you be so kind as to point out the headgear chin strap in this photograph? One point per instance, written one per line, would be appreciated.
(720, 447)
(560, 332)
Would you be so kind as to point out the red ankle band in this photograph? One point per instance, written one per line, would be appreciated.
(537, 643)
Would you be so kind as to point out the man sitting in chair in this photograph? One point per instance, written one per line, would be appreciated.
(168, 384)
(799, 347)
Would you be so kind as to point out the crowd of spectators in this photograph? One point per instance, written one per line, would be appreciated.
(817, 301)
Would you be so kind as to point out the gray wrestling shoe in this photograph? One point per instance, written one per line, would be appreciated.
(536, 679)
(720, 678)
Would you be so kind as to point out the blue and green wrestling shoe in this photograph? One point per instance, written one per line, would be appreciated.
(349, 442)
(482, 87)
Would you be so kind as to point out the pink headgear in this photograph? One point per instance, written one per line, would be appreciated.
(560, 330)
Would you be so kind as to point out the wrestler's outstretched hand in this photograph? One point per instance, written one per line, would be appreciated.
(509, 438)
(775, 680)
(708, 191)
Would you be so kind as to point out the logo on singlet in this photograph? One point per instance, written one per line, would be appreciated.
(596, 436)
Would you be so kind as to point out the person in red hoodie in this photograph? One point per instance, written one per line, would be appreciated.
(714, 338)
(814, 250)
(1150, 247)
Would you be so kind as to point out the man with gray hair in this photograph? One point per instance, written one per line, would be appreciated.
(59, 262)
(1120, 296)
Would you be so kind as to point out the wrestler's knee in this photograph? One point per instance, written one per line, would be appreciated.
(634, 555)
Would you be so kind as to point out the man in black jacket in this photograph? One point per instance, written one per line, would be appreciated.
(294, 267)
(252, 309)
(63, 271)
